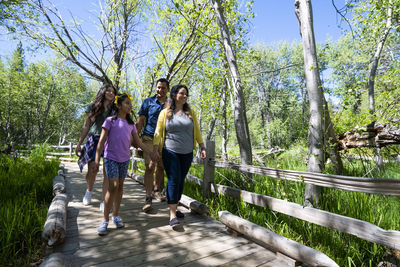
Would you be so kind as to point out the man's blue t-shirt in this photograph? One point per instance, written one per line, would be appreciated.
(151, 108)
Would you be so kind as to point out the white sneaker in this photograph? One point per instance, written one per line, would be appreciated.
(87, 198)
(101, 208)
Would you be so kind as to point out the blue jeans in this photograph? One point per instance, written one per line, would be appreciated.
(176, 167)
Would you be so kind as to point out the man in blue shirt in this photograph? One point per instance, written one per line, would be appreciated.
(148, 116)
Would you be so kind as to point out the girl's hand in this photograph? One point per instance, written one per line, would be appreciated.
(78, 150)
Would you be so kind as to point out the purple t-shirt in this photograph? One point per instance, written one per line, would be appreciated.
(119, 139)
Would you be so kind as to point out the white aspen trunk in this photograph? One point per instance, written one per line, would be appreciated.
(372, 74)
(224, 123)
(239, 107)
(303, 11)
(375, 60)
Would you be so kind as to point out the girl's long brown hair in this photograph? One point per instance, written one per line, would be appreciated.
(98, 104)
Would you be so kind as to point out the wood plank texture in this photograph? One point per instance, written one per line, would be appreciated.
(359, 228)
(381, 186)
(147, 239)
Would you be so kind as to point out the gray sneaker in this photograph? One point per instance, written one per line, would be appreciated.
(147, 204)
(118, 222)
(103, 228)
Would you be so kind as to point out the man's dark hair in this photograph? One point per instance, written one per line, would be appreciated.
(163, 80)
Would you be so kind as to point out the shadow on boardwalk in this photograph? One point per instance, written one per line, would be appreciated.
(147, 239)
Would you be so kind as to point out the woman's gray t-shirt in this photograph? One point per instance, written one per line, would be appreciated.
(179, 134)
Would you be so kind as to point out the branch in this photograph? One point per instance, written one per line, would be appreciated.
(272, 71)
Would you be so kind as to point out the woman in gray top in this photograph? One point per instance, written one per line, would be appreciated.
(176, 136)
(96, 114)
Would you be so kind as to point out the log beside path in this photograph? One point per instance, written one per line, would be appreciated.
(147, 239)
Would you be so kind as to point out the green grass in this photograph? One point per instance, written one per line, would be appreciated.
(26, 192)
(345, 249)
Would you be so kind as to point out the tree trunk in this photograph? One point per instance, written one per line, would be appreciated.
(331, 141)
(303, 11)
(239, 107)
(375, 61)
(372, 74)
(224, 122)
(211, 128)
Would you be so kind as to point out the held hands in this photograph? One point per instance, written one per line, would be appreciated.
(154, 156)
(203, 154)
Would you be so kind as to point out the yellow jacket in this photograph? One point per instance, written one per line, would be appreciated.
(159, 134)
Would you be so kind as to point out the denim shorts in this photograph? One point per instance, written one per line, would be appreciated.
(116, 169)
(92, 152)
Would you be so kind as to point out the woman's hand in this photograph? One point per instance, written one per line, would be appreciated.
(203, 153)
(78, 150)
(96, 165)
(154, 156)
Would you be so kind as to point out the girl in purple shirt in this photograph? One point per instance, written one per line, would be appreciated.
(115, 138)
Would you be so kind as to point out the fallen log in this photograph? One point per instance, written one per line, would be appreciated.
(56, 260)
(372, 135)
(56, 223)
(281, 244)
(194, 205)
(58, 185)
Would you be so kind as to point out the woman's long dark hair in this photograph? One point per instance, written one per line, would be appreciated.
(121, 98)
(98, 104)
(171, 102)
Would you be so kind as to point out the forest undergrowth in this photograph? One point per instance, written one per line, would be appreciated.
(26, 193)
(345, 249)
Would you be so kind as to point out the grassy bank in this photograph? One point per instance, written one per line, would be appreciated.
(345, 249)
(26, 192)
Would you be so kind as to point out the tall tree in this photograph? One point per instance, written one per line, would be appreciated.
(241, 125)
(378, 50)
(303, 10)
(102, 57)
(13, 10)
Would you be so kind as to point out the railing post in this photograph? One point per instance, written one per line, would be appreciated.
(208, 175)
(70, 149)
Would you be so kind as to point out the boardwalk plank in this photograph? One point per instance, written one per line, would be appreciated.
(254, 259)
(178, 253)
(147, 239)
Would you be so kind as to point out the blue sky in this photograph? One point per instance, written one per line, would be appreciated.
(275, 20)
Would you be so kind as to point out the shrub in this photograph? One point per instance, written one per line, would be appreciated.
(26, 192)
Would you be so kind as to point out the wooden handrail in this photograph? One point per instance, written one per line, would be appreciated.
(381, 186)
(359, 228)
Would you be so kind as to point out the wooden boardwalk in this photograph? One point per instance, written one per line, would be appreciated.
(147, 239)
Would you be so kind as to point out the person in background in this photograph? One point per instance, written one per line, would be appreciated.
(115, 139)
(176, 135)
(96, 113)
(148, 115)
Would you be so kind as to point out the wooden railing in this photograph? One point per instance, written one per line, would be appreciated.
(69, 150)
(359, 228)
